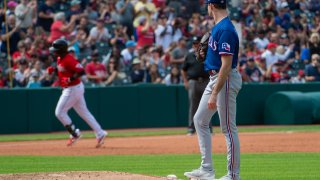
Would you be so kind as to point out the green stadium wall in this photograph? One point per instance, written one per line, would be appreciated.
(136, 106)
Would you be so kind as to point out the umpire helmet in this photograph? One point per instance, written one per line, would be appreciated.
(59, 46)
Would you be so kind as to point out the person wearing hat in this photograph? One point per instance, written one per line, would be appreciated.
(163, 32)
(95, 71)
(99, 33)
(75, 10)
(261, 41)
(251, 72)
(195, 80)
(11, 7)
(129, 53)
(271, 56)
(220, 94)
(137, 73)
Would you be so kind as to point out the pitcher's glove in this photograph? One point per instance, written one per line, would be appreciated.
(203, 47)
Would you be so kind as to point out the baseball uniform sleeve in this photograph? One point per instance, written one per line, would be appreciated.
(74, 65)
(227, 43)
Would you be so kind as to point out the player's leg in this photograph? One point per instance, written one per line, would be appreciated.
(202, 120)
(65, 103)
(81, 108)
(227, 114)
(192, 106)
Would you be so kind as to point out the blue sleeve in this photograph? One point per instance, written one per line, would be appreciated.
(227, 43)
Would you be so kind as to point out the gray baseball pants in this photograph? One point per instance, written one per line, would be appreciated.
(226, 106)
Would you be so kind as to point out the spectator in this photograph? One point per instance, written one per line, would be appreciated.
(22, 73)
(145, 33)
(271, 56)
(261, 40)
(156, 59)
(98, 33)
(163, 32)
(174, 76)
(125, 10)
(137, 73)
(300, 78)
(314, 43)
(251, 72)
(179, 53)
(46, 16)
(60, 28)
(95, 71)
(25, 12)
(143, 8)
(34, 82)
(154, 75)
(128, 54)
(120, 37)
(75, 10)
(11, 8)
(20, 54)
(113, 71)
(312, 72)
(13, 35)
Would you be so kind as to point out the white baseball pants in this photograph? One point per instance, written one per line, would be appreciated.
(73, 97)
(226, 106)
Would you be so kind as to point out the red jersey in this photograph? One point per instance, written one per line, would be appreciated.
(146, 38)
(67, 67)
(96, 69)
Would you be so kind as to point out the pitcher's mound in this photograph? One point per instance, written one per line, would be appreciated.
(78, 175)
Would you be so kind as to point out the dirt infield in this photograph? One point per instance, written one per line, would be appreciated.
(78, 176)
(177, 144)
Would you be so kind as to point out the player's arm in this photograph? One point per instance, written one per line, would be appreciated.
(77, 68)
(226, 47)
(224, 72)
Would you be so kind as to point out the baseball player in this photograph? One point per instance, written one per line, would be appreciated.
(69, 72)
(220, 94)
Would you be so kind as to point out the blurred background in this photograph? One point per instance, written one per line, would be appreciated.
(145, 41)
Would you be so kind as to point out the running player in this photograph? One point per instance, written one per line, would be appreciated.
(69, 72)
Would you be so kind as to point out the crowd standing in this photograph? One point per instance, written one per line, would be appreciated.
(146, 41)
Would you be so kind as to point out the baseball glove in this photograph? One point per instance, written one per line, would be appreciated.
(203, 47)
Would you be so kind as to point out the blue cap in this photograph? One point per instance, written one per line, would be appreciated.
(131, 44)
(217, 1)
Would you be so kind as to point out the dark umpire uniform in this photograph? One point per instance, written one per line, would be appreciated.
(195, 81)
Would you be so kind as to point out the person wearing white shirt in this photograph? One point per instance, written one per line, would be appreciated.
(24, 13)
(163, 33)
(271, 56)
(261, 41)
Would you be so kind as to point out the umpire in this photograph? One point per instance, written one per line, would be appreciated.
(195, 81)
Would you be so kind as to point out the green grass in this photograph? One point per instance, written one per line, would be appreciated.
(253, 166)
(50, 136)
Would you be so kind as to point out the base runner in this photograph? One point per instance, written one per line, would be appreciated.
(69, 72)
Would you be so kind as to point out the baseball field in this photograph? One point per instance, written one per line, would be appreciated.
(267, 152)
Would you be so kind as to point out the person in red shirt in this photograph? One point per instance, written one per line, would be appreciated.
(145, 33)
(60, 28)
(96, 72)
(69, 72)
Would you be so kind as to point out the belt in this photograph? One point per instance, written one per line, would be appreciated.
(213, 72)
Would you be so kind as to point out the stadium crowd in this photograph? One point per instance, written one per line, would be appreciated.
(145, 41)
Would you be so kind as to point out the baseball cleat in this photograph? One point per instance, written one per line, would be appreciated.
(199, 174)
(100, 140)
(72, 140)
